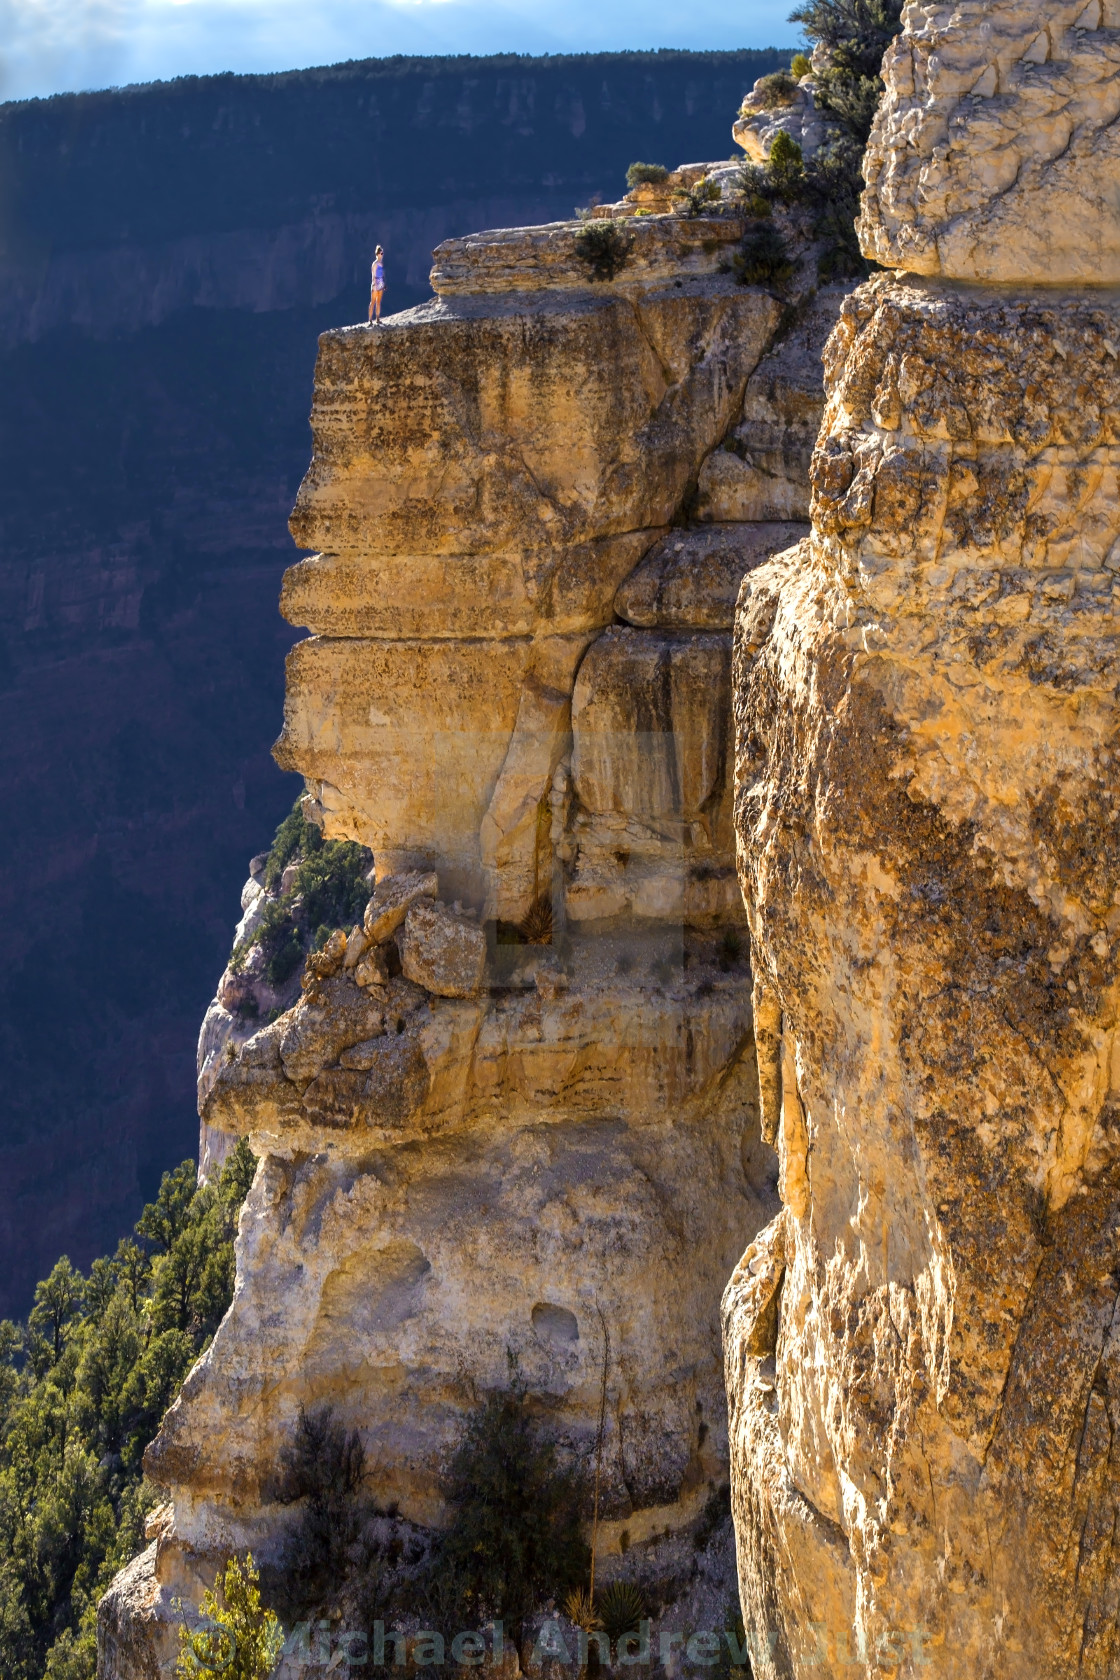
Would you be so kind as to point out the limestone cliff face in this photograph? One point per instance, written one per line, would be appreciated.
(991, 114)
(168, 256)
(921, 1348)
(518, 1100)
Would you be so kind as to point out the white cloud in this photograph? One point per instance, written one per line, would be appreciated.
(49, 46)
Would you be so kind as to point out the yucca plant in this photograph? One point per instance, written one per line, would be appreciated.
(535, 926)
(621, 1607)
(579, 1607)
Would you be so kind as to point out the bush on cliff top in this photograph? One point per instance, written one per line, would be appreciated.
(605, 248)
(855, 35)
(776, 89)
(83, 1387)
(646, 175)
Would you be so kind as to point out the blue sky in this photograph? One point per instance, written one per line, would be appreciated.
(52, 46)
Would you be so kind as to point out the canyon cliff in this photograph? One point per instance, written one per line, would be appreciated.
(922, 1355)
(513, 1108)
(168, 256)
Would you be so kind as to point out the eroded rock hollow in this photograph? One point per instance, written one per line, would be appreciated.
(923, 1355)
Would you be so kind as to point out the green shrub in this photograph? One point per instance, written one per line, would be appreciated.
(762, 259)
(515, 1539)
(646, 175)
(730, 946)
(235, 1637)
(605, 247)
(295, 837)
(331, 882)
(776, 89)
(620, 1607)
(695, 200)
(855, 34)
(330, 891)
(285, 955)
(799, 66)
(786, 167)
(836, 182)
(754, 204)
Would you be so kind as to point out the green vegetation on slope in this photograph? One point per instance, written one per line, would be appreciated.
(855, 34)
(83, 1386)
(514, 1543)
(329, 890)
(238, 1638)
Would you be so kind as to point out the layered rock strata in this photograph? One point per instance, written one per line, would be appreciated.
(921, 1350)
(517, 1102)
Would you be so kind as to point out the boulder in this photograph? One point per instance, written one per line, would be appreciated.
(797, 114)
(372, 969)
(332, 1015)
(443, 952)
(320, 965)
(995, 149)
(392, 899)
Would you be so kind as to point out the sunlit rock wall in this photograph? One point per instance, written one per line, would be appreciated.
(921, 1354)
(518, 1104)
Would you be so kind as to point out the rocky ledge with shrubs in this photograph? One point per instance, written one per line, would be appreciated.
(350, 1050)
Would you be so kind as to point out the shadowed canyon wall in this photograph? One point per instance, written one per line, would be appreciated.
(168, 256)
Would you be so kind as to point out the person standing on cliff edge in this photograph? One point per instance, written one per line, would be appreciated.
(377, 285)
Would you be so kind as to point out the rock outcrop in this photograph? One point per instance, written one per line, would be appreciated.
(996, 148)
(779, 104)
(516, 1102)
(168, 254)
(922, 1354)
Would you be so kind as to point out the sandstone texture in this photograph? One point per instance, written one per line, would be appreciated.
(762, 470)
(517, 1100)
(996, 147)
(921, 1348)
(443, 952)
(548, 258)
(487, 471)
(690, 579)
